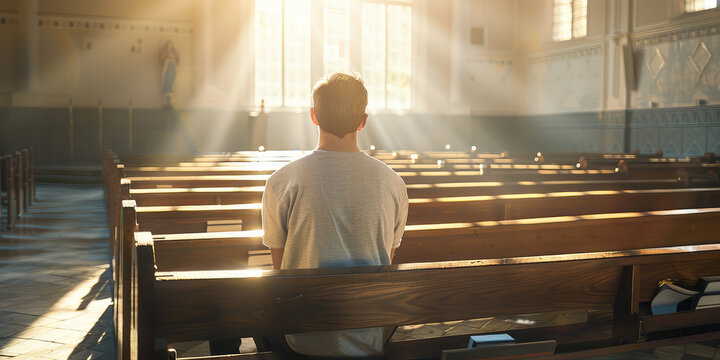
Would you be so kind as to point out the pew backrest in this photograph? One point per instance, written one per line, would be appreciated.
(185, 306)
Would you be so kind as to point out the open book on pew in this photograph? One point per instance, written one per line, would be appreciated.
(671, 298)
(709, 284)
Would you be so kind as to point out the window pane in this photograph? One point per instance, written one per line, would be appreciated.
(562, 20)
(372, 18)
(699, 5)
(337, 36)
(297, 53)
(399, 56)
(268, 52)
(579, 18)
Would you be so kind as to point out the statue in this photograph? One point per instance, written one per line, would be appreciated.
(170, 59)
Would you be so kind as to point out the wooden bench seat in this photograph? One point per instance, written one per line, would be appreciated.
(198, 305)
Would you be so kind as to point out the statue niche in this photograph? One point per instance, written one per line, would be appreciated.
(170, 61)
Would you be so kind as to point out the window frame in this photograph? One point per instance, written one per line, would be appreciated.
(317, 45)
(572, 22)
(698, 11)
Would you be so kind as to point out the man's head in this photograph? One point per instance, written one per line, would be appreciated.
(339, 102)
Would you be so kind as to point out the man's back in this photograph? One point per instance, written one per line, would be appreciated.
(335, 209)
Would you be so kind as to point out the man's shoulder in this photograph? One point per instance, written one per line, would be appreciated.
(289, 171)
(384, 168)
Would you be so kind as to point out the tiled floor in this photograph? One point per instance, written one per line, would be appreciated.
(55, 279)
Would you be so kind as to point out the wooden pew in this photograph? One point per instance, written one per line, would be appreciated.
(239, 195)
(8, 188)
(27, 189)
(188, 251)
(463, 241)
(568, 203)
(707, 175)
(689, 173)
(19, 183)
(195, 218)
(209, 251)
(409, 177)
(31, 174)
(516, 187)
(198, 305)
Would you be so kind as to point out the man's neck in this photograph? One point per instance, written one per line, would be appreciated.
(330, 142)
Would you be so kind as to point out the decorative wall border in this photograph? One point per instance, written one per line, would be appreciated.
(641, 39)
(567, 53)
(491, 59)
(8, 19)
(676, 117)
(99, 23)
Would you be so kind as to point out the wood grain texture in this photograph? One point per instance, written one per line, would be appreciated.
(414, 178)
(495, 208)
(279, 302)
(672, 321)
(123, 303)
(205, 254)
(517, 239)
(513, 187)
(174, 222)
(195, 196)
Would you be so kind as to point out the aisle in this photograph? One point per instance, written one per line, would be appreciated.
(55, 279)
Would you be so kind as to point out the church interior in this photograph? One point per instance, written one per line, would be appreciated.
(561, 160)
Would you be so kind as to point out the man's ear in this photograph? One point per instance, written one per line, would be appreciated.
(312, 116)
(363, 123)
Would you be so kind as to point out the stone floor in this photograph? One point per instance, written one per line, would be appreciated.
(56, 290)
(55, 279)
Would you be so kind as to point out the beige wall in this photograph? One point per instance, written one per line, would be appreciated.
(8, 46)
(516, 68)
(485, 73)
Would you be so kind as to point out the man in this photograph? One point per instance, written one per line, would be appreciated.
(335, 207)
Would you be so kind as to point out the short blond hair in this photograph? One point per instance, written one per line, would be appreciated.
(340, 100)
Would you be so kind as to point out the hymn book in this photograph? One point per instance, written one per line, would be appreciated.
(709, 286)
(671, 298)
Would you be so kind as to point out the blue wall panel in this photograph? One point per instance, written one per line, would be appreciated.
(687, 131)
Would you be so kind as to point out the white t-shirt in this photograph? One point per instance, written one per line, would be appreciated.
(335, 209)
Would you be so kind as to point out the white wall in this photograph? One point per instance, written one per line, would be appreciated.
(485, 75)
(589, 74)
